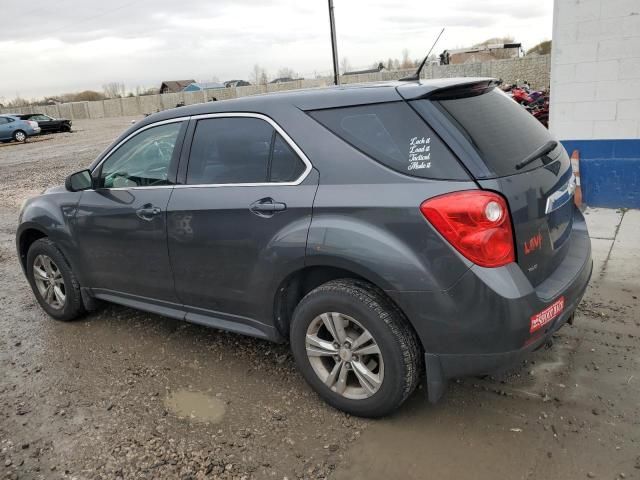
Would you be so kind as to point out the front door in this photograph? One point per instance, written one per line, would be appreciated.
(241, 221)
(122, 224)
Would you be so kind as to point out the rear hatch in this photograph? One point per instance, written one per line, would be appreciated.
(493, 136)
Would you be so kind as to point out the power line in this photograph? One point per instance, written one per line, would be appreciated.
(93, 17)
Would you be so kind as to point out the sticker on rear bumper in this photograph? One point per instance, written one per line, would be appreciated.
(544, 317)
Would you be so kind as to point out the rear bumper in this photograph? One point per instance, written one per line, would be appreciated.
(441, 367)
(482, 323)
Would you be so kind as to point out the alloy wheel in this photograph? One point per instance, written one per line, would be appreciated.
(49, 281)
(344, 355)
(20, 137)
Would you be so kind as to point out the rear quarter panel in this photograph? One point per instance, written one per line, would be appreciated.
(366, 217)
(378, 232)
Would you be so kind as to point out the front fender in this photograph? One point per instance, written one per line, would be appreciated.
(52, 215)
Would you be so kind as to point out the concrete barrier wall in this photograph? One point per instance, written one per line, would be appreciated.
(96, 109)
(534, 69)
(112, 107)
(129, 106)
(150, 104)
(80, 110)
(65, 109)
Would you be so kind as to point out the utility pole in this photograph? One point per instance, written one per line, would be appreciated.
(334, 46)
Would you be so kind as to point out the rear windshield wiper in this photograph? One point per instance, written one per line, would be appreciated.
(543, 150)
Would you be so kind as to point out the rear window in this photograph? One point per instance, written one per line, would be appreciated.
(394, 135)
(502, 132)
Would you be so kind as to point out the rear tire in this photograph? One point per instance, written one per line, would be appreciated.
(20, 136)
(375, 383)
(53, 282)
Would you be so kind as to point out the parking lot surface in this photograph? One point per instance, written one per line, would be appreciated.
(126, 394)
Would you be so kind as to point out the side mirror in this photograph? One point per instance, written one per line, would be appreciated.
(79, 181)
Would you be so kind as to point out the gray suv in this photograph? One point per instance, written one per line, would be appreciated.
(387, 232)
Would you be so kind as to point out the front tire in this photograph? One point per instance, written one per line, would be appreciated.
(53, 282)
(355, 348)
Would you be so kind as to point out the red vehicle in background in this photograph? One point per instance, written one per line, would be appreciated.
(535, 101)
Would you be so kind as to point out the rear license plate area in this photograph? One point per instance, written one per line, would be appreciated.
(546, 316)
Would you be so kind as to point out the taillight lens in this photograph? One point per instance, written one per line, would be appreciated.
(33, 124)
(476, 223)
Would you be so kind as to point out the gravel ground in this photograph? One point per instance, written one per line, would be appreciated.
(125, 394)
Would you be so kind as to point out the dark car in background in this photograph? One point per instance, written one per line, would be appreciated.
(48, 124)
(387, 232)
(12, 127)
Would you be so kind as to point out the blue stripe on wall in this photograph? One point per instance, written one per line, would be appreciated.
(609, 171)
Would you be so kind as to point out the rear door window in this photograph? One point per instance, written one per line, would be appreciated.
(501, 131)
(285, 166)
(394, 135)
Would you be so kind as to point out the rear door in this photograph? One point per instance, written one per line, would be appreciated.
(492, 134)
(239, 223)
(47, 124)
(5, 131)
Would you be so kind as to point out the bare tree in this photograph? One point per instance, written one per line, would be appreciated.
(345, 66)
(543, 48)
(406, 61)
(85, 96)
(286, 72)
(114, 90)
(258, 75)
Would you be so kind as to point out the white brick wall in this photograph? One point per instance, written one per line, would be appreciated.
(595, 69)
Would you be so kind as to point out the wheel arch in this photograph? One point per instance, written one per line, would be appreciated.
(25, 239)
(300, 282)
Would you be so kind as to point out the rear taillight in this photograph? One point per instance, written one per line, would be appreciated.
(32, 123)
(476, 223)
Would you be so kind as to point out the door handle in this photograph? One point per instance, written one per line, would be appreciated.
(266, 207)
(147, 212)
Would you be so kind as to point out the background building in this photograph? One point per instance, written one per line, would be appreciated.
(174, 86)
(480, 53)
(595, 95)
(199, 86)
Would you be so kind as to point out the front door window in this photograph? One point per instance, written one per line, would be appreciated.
(143, 160)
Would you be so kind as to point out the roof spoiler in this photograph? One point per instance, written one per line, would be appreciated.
(462, 89)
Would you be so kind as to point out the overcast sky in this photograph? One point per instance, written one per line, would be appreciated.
(50, 47)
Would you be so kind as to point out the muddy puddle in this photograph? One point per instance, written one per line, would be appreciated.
(195, 406)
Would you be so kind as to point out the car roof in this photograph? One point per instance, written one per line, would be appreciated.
(279, 104)
(318, 98)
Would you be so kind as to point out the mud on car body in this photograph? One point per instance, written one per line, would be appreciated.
(387, 231)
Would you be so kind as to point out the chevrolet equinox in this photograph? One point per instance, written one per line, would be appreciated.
(386, 231)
